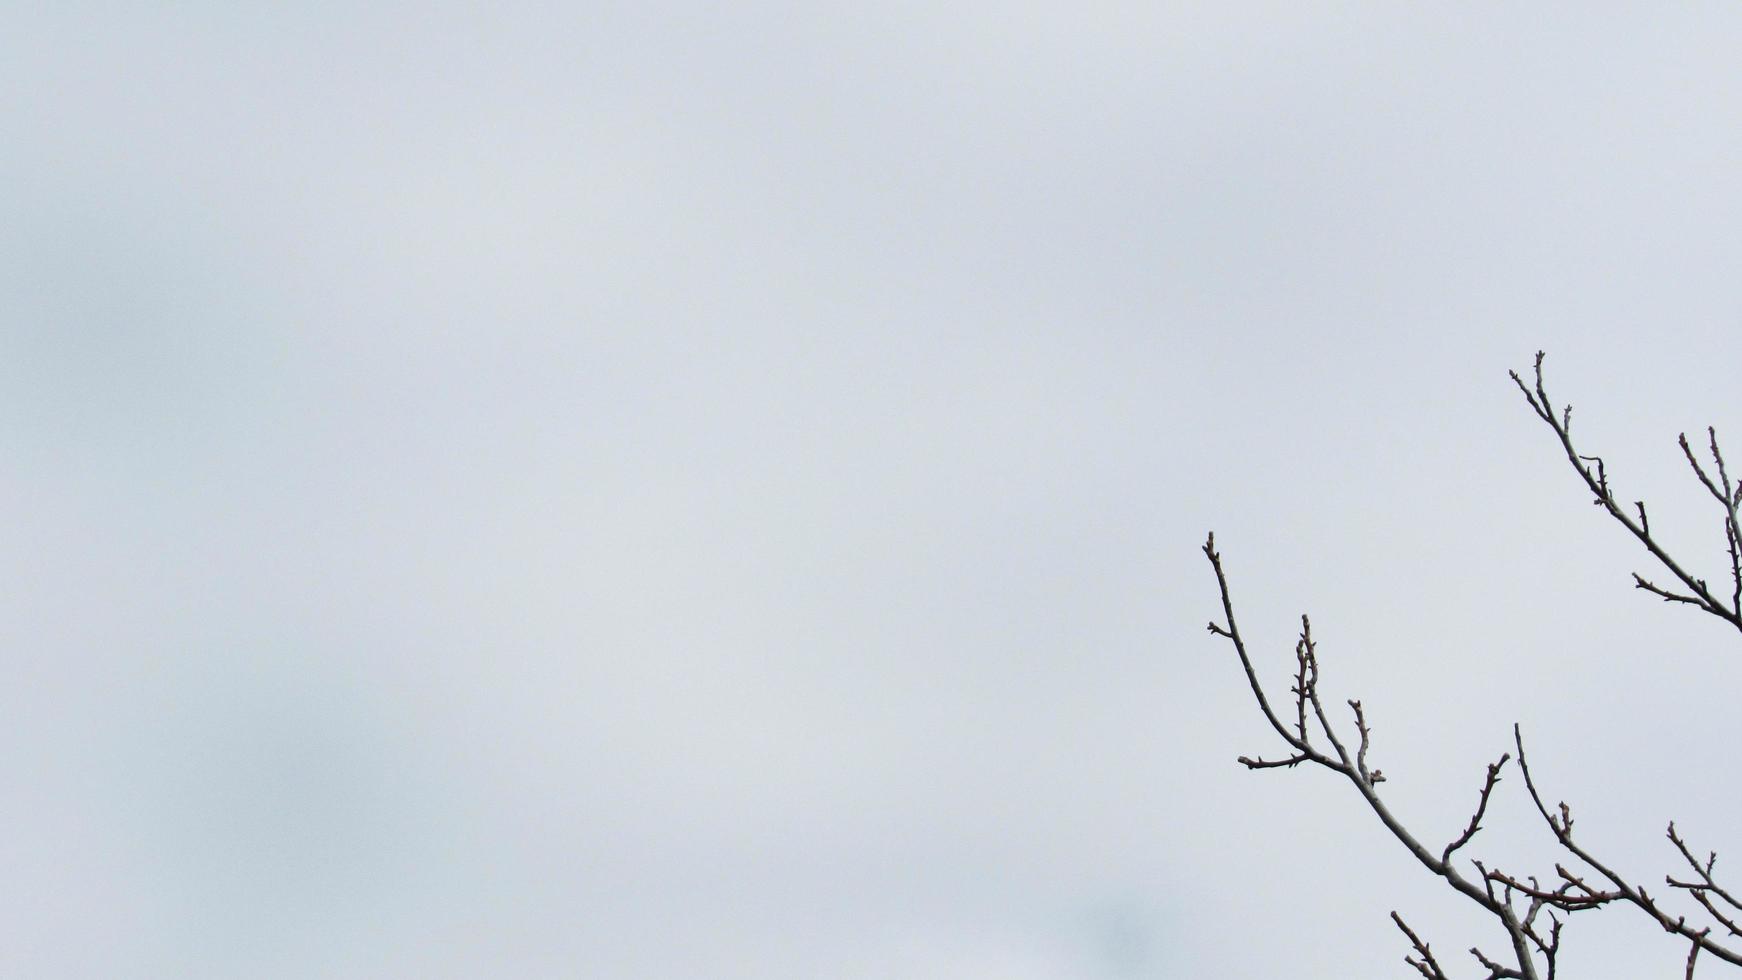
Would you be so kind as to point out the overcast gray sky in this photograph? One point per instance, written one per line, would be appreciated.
(661, 490)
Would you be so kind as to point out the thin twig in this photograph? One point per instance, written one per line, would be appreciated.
(1481, 807)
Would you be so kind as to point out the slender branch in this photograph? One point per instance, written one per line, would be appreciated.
(1425, 965)
(1232, 633)
(1703, 870)
(1481, 807)
(1597, 480)
(1288, 763)
(1353, 767)
(1495, 970)
(1703, 890)
(1561, 826)
(1375, 776)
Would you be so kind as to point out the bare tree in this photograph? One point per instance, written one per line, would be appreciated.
(1529, 911)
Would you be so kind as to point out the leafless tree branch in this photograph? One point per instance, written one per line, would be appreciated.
(1727, 494)
(1354, 767)
(1423, 961)
(1561, 826)
(1521, 904)
(1481, 807)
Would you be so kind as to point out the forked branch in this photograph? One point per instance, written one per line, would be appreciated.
(1521, 935)
(1520, 905)
(1717, 482)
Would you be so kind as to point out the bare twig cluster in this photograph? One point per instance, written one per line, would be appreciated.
(1530, 912)
(1728, 495)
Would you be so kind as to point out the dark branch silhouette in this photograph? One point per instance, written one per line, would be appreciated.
(1529, 913)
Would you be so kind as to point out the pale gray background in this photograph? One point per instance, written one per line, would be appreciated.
(579, 490)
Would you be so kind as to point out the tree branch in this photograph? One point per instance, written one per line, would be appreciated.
(1495, 891)
(1354, 768)
(1728, 495)
(1562, 828)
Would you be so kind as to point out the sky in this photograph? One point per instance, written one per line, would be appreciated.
(695, 490)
